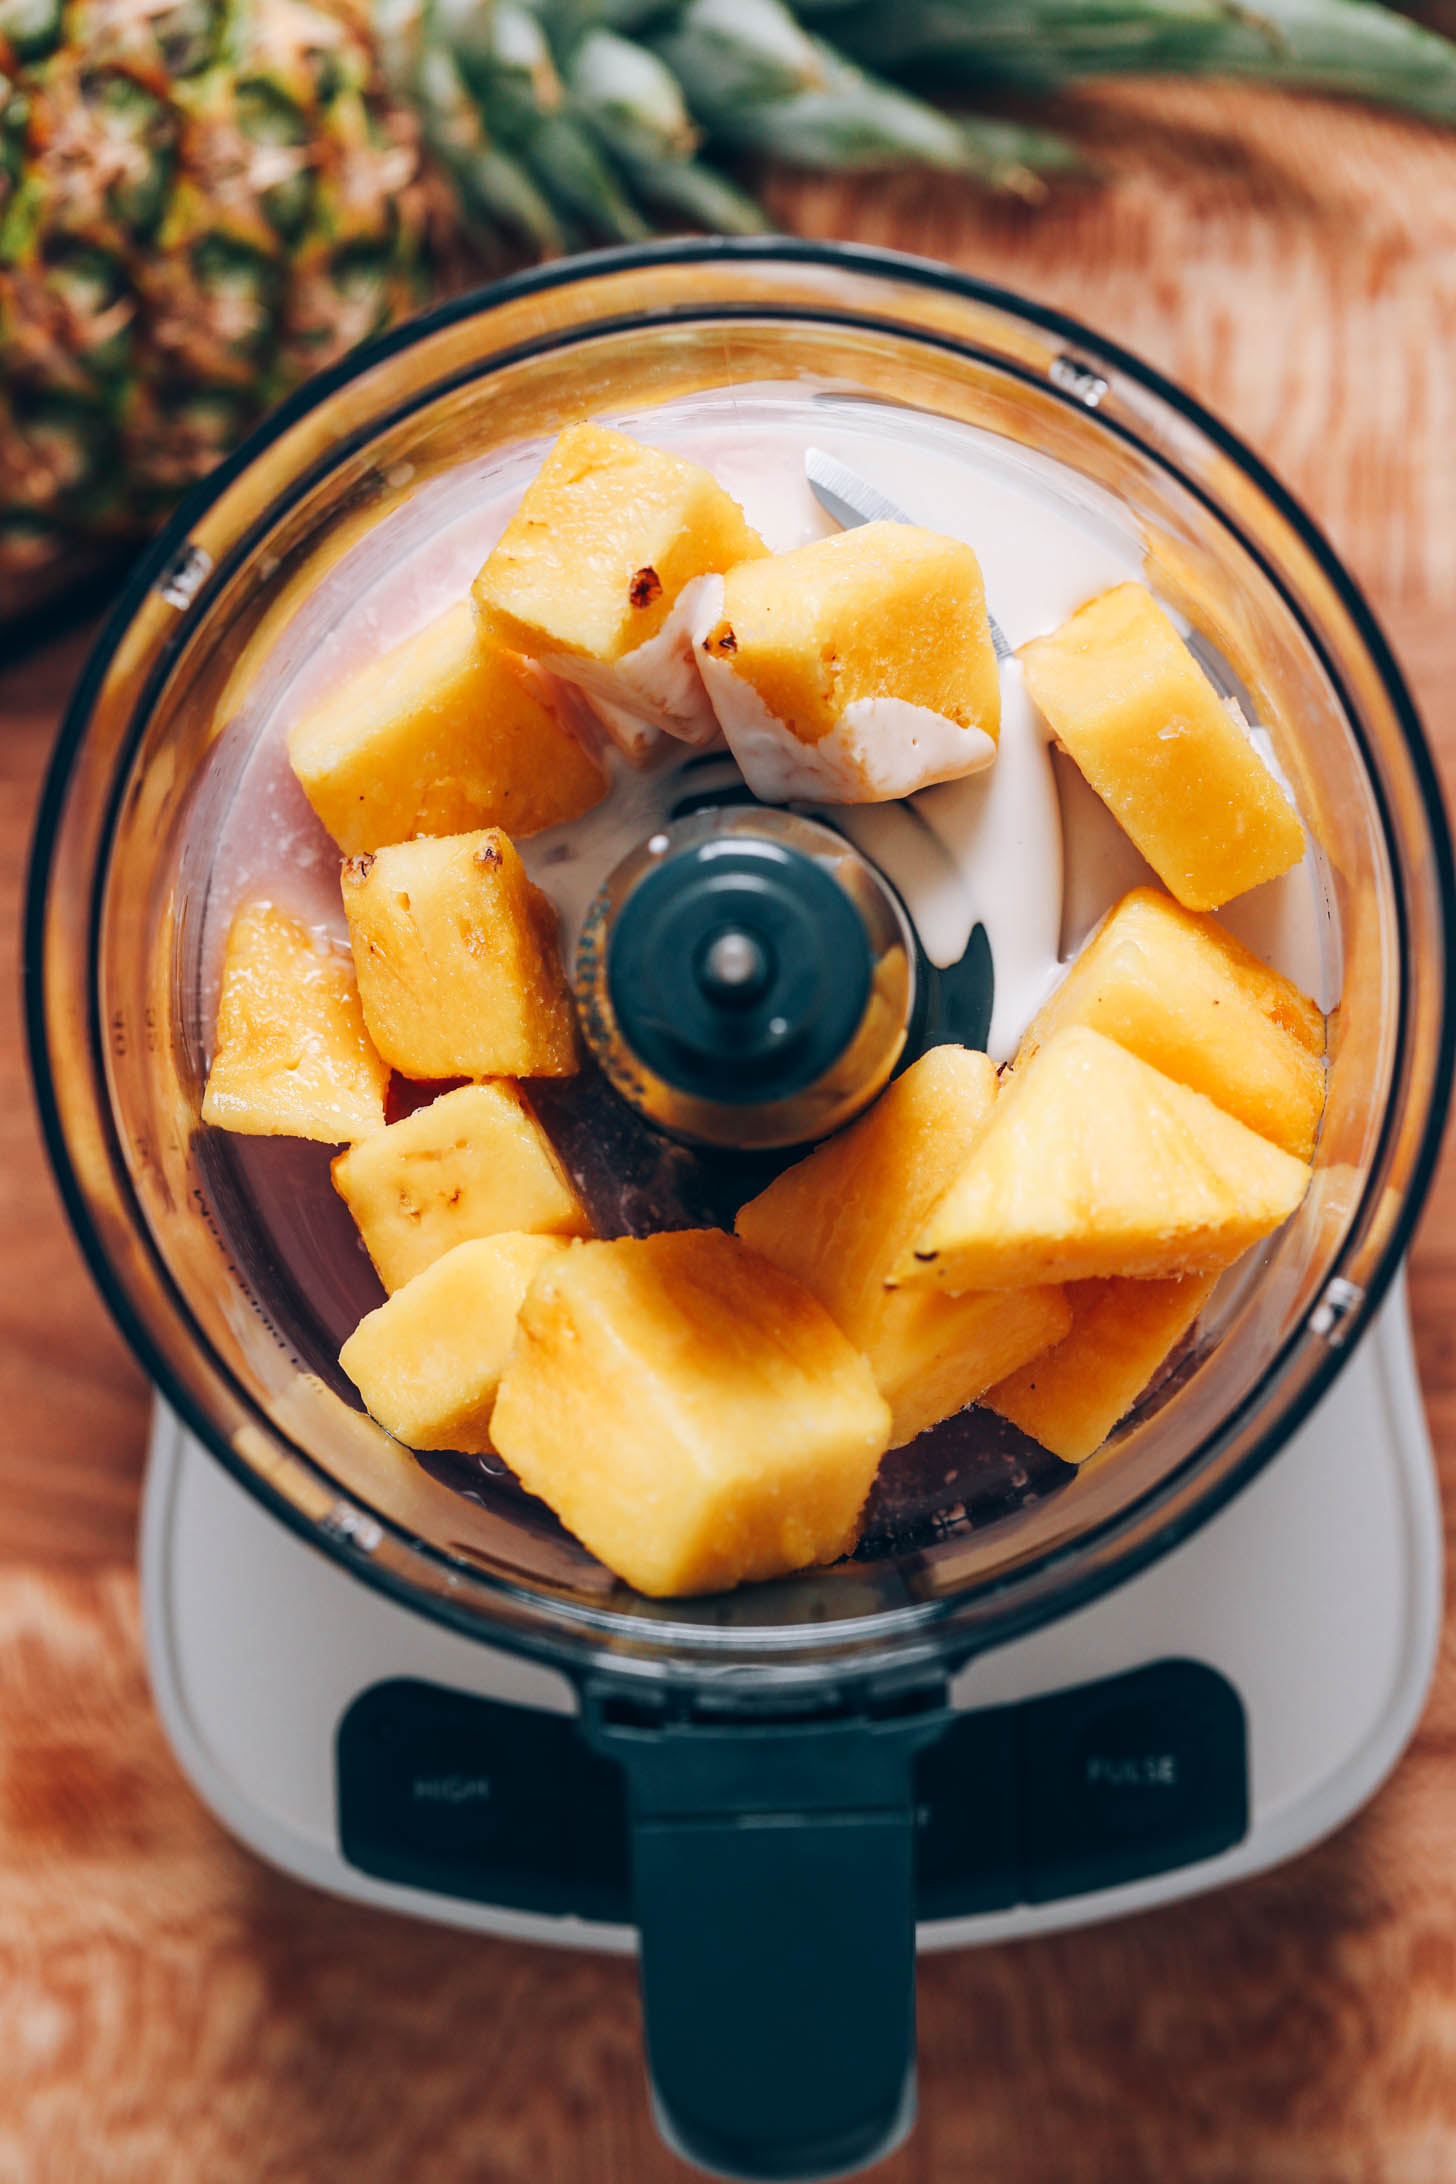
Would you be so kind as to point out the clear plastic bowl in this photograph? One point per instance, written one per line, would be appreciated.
(213, 1299)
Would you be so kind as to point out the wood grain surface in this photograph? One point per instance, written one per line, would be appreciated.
(173, 2013)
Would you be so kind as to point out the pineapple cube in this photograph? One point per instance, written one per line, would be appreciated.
(693, 1415)
(840, 1220)
(475, 1162)
(456, 955)
(292, 1057)
(855, 669)
(604, 540)
(1182, 994)
(446, 733)
(1128, 701)
(428, 1362)
(597, 573)
(931, 1364)
(1071, 1398)
(1094, 1164)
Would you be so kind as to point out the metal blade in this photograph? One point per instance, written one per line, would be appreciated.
(845, 495)
(851, 500)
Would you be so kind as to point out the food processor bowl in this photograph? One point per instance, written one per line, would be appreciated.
(767, 1733)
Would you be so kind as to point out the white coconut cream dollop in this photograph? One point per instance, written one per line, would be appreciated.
(878, 749)
(655, 689)
(984, 852)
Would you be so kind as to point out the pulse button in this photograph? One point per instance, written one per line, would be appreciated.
(1131, 1777)
(1132, 1771)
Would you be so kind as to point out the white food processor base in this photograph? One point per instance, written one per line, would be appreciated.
(1310, 1608)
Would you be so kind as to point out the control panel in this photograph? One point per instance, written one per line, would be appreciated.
(1058, 1796)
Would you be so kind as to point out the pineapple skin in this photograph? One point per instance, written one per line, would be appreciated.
(1143, 723)
(607, 536)
(292, 1057)
(887, 610)
(429, 1360)
(447, 733)
(456, 957)
(1183, 995)
(474, 1163)
(1120, 1333)
(1094, 1164)
(211, 200)
(840, 1220)
(692, 1414)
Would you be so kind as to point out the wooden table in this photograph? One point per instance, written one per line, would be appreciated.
(173, 2013)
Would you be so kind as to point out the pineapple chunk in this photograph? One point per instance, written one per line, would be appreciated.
(857, 668)
(603, 542)
(475, 1162)
(457, 962)
(1121, 1331)
(292, 1057)
(1182, 994)
(840, 1220)
(428, 1362)
(448, 732)
(931, 1364)
(597, 573)
(1142, 721)
(1095, 1164)
(690, 1413)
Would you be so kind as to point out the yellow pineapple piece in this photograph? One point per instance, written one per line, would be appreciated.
(1095, 1164)
(1182, 994)
(840, 1221)
(591, 575)
(931, 1365)
(693, 1415)
(447, 732)
(292, 1057)
(475, 1162)
(859, 667)
(1126, 698)
(457, 961)
(1121, 1331)
(428, 1362)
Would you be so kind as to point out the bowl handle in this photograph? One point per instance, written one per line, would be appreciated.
(773, 1873)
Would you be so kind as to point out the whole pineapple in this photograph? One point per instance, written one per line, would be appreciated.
(204, 201)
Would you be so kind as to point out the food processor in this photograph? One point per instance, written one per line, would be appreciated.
(1033, 1697)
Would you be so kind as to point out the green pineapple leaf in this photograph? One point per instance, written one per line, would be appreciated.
(1344, 46)
(758, 82)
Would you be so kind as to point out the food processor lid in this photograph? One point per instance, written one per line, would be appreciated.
(874, 1622)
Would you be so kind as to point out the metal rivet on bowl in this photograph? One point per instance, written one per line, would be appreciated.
(1078, 379)
(184, 575)
(1331, 1315)
(344, 1521)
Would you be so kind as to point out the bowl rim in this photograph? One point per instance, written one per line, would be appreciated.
(895, 1638)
